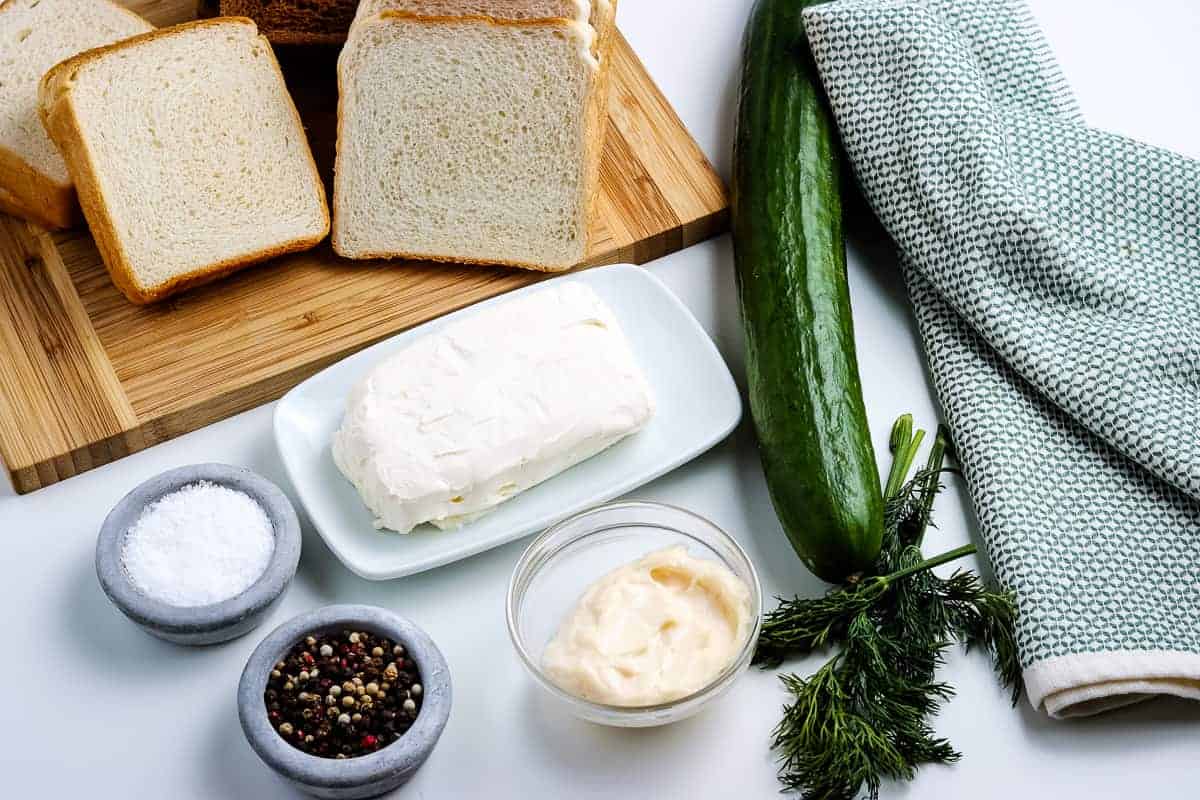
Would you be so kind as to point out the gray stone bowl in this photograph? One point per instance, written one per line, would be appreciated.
(218, 622)
(350, 778)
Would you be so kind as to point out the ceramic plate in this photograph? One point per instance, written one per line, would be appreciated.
(697, 406)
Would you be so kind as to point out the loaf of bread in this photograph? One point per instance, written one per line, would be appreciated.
(34, 36)
(296, 21)
(471, 130)
(187, 153)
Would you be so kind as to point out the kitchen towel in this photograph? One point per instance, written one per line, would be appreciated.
(1055, 274)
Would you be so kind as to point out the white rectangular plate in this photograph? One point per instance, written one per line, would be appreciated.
(698, 405)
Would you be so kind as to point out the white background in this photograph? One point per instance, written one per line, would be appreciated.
(91, 707)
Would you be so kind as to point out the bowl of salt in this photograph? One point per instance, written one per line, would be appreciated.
(199, 554)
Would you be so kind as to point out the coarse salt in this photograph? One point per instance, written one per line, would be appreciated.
(198, 545)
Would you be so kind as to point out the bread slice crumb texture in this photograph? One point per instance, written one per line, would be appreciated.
(196, 152)
(34, 36)
(463, 139)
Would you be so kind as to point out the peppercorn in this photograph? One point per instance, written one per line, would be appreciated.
(369, 715)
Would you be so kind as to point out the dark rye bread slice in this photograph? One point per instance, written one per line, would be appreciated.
(296, 21)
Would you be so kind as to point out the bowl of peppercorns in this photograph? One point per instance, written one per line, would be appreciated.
(346, 701)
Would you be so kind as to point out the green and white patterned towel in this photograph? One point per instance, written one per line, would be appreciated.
(1055, 273)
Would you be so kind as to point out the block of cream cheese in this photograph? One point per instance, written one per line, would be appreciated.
(467, 417)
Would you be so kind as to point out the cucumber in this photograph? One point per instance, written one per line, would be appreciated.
(805, 394)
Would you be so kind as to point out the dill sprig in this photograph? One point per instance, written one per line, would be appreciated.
(864, 716)
(855, 721)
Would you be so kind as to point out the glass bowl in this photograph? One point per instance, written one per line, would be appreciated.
(562, 562)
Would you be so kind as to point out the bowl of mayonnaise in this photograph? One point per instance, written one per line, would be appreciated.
(634, 614)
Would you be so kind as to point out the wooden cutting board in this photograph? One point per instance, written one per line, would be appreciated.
(86, 377)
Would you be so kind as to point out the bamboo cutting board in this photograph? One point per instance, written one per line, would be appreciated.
(86, 377)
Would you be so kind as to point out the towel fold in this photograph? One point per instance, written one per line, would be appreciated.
(1055, 274)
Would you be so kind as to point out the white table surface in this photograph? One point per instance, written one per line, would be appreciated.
(91, 707)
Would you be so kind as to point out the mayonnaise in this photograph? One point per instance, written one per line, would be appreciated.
(652, 631)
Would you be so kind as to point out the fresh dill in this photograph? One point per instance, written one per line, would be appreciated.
(864, 716)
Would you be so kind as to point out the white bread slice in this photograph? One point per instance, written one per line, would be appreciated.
(188, 155)
(496, 9)
(469, 137)
(599, 14)
(34, 36)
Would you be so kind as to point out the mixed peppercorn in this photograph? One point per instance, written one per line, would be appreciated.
(341, 695)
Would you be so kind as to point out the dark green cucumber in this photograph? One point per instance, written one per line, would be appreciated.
(805, 394)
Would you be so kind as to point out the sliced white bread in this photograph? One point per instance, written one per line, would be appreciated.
(497, 9)
(472, 136)
(188, 155)
(34, 36)
(599, 14)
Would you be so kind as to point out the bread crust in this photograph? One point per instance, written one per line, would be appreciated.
(303, 38)
(31, 194)
(9, 204)
(595, 124)
(35, 196)
(507, 22)
(371, 255)
(62, 124)
(510, 10)
(601, 18)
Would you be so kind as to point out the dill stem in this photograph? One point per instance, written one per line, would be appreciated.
(933, 466)
(904, 445)
(930, 563)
